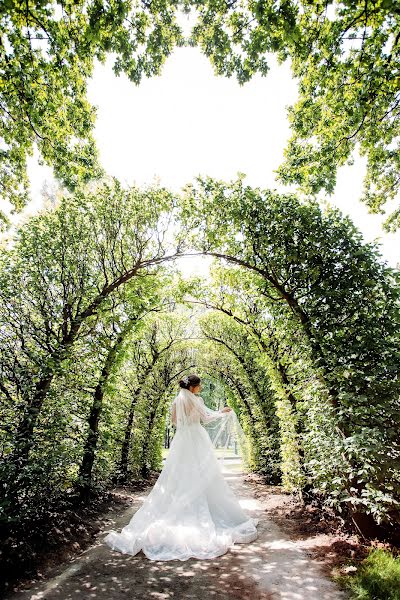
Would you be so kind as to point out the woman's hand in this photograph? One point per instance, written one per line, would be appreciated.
(226, 409)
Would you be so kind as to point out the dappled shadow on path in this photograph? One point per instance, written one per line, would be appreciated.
(269, 568)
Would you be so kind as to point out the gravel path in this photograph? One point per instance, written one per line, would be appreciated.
(271, 568)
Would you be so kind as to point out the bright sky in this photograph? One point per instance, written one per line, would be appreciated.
(188, 122)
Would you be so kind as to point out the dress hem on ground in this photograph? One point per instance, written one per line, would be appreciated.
(224, 541)
(191, 512)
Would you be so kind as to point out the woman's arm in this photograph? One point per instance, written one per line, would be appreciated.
(208, 414)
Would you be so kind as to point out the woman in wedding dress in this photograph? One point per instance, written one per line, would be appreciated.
(191, 512)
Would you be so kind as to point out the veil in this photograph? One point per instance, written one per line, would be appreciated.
(224, 429)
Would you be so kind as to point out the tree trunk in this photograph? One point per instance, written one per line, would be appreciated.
(145, 469)
(122, 475)
(89, 453)
(24, 432)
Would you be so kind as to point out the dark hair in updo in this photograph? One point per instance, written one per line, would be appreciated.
(188, 381)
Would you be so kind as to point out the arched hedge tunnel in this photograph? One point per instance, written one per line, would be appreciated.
(298, 328)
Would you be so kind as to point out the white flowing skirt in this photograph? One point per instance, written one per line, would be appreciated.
(191, 512)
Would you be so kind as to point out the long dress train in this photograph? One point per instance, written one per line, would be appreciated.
(191, 512)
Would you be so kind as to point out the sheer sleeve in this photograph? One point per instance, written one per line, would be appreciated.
(223, 428)
(191, 409)
(208, 414)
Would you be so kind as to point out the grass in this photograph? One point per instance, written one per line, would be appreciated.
(377, 577)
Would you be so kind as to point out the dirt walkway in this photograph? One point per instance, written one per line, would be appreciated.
(270, 568)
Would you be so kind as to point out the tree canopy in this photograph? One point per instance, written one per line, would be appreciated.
(344, 56)
(48, 52)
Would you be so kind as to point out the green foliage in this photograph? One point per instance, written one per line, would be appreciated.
(47, 54)
(68, 286)
(297, 331)
(378, 577)
(329, 296)
(348, 101)
(345, 57)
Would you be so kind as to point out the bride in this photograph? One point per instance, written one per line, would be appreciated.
(191, 512)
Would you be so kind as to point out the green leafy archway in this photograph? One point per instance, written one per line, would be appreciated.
(300, 324)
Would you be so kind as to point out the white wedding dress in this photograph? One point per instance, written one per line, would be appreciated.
(191, 512)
